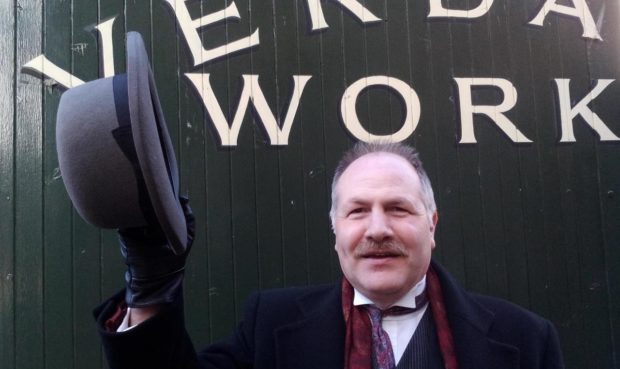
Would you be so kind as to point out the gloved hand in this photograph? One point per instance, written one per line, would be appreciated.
(154, 272)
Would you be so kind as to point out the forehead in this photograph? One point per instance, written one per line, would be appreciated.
(378, 172)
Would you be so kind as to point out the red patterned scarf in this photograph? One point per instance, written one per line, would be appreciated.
(358, 342)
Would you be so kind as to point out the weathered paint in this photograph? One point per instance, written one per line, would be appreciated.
(513, 105)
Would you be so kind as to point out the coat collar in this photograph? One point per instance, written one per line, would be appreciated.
(317, 340)
(470, 323)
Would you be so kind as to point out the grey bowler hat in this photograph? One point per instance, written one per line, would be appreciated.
(116, 157)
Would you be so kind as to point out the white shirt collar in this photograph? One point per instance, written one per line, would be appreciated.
(406, 301)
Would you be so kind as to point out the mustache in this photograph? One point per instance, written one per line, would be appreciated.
(367, 247)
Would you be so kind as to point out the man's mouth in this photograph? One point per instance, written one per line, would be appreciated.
(380, 255)
(371, 250)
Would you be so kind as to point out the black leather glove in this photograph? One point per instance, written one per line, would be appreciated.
(154, 272)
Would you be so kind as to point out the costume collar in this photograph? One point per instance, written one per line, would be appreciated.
(406, 301)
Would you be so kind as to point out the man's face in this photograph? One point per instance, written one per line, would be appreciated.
(384, 234)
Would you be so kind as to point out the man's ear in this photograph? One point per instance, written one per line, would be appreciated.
(434, 219)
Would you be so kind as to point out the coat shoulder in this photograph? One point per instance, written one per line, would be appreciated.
(291, 303)
(510, 316)
(500, 306)
(535, 336)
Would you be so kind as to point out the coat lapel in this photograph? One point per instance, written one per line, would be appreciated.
(475, 350)
(317, 341)
(470, 323)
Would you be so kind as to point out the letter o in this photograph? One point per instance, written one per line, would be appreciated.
(349, 114)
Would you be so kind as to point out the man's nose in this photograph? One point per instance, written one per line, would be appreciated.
(379, 228)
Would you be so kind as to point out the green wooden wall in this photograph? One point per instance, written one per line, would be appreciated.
(536, 223)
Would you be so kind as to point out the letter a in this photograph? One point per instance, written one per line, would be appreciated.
(580, 11)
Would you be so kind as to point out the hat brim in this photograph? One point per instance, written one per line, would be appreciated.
(157, 162)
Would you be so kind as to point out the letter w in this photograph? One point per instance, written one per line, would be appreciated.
(251, 91)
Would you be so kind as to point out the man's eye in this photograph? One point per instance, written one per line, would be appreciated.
(357, 211)
(399, 210)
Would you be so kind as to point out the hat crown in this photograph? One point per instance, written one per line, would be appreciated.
(115, 154)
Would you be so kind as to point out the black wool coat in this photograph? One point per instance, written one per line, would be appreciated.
(303, 328)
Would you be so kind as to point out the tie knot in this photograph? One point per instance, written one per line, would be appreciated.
(398, 310)
(376, 314)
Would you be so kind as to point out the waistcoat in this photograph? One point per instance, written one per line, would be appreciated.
(422, 351)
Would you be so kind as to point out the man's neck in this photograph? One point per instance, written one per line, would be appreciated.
(407, 300)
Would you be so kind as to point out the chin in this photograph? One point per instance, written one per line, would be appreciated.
(383, 289)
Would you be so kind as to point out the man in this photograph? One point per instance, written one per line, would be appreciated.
(384, 217)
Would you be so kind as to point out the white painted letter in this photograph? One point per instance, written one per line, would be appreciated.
(42, 65)
(580, 11)
(190, 27)
(250, 91)
(437, 10)
(494, 112)
(107, 46)
(409, 97)
(357, 9)
(581, 108)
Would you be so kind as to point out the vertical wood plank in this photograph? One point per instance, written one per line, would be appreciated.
(184, 113)
(334, 80)
(486, 56)
(399, 61)
(583, 184)
(243, 159)
(29, 350)
(541, 198)
(583, 251)
(57, 210)
(443, 116)
(219, 216)
(468, 158)
(86, 250)
(112, 267)
(268, 176)
(514, 65)
(294, 196)
(374, 104)
(604, 60)
(7, 185)
(300, 244)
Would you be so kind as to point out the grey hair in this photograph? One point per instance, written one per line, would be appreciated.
(406, 152)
